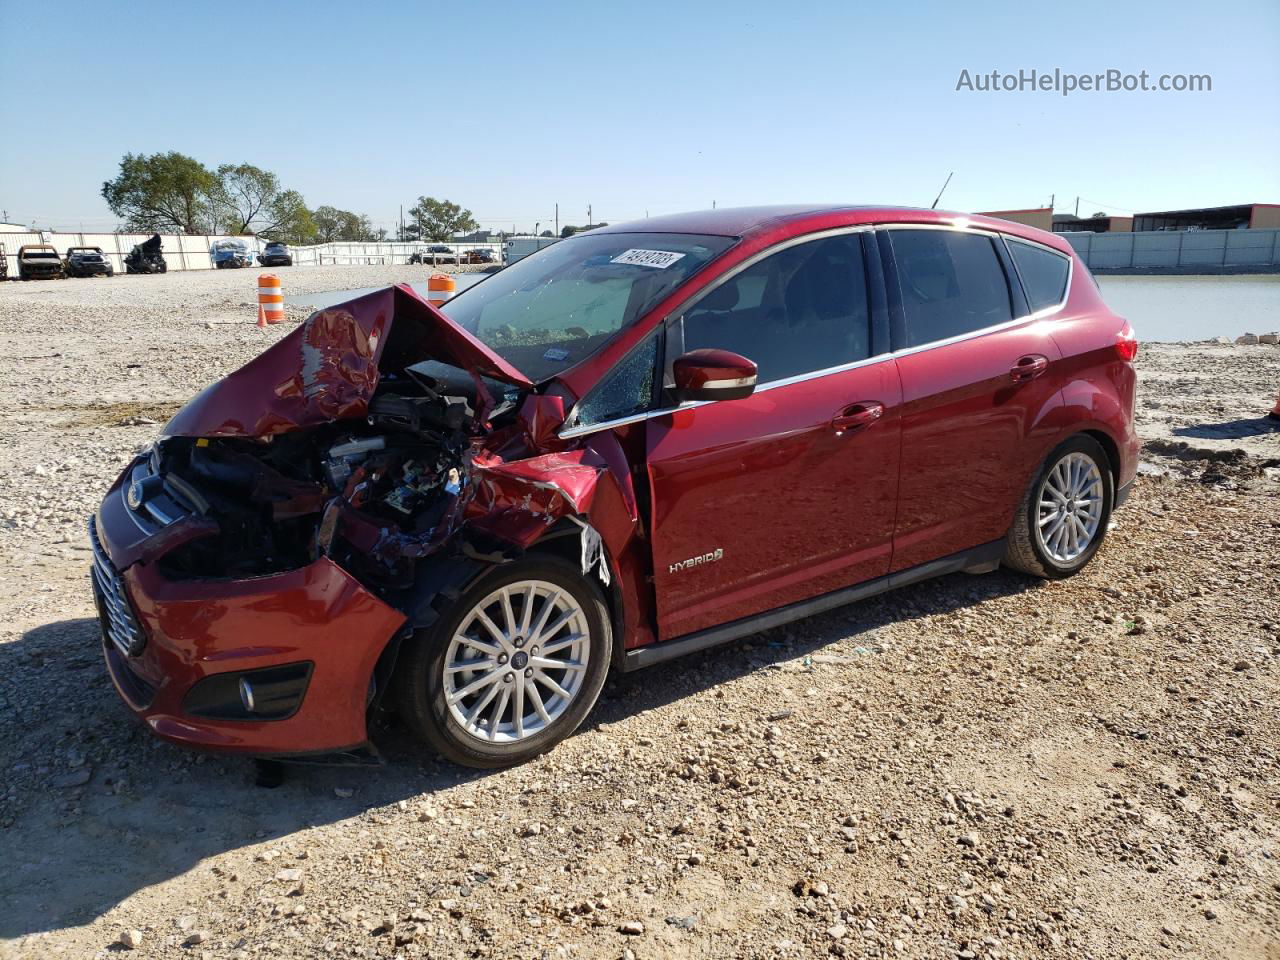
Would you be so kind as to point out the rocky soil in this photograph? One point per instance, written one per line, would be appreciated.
(974, 767)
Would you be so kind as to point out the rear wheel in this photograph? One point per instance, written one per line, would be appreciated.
(512, 667)
(1063, 516)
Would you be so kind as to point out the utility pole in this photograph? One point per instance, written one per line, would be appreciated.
(588, 214)
(557, 219)
(1052, 196)
(1077, 214)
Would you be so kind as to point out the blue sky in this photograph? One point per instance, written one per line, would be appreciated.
(509, 108)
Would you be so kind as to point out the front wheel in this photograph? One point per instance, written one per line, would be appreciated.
(512, 667)
(1063, 516)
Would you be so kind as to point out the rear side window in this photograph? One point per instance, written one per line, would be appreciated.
(1043, 273)
(952, 283)
(800, 310)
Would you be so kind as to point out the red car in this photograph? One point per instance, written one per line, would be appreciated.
(643, 441)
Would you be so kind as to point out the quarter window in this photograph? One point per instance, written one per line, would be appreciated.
(627, 388)
(952, 283)
(1043, 273)
(800, 310)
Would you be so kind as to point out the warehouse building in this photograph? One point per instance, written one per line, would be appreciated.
(1039, 217)
(1252, 216)
(1066, 223)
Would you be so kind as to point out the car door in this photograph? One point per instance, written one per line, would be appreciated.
(788, 493)
(975, 384)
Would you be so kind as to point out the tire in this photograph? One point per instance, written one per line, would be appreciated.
(436, 704)
(1080, 467)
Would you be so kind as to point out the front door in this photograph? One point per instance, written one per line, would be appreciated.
(789, 493)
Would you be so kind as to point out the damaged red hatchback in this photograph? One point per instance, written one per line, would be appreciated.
(639, 442)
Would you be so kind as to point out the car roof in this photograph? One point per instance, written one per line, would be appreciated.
(795, 219)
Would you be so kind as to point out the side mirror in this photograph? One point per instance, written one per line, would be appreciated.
(713, 375)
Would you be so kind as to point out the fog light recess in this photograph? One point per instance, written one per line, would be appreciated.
(270, 693)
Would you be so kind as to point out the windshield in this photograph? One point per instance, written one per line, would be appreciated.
(553, 308)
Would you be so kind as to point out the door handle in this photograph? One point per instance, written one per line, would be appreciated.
(857, 416)
(1028, 368)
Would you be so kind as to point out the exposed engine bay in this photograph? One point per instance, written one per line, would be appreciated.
(370, 493)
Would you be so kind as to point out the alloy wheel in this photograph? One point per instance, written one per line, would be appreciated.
(517, 661)
(1069, 508)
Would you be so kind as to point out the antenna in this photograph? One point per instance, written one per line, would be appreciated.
(934, 205)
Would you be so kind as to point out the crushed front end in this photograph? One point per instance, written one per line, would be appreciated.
(255, 566)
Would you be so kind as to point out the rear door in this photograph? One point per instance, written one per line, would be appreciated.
(788, 493)
(978, 373)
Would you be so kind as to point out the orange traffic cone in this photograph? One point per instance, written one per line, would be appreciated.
(1275, 411)
(262, 317)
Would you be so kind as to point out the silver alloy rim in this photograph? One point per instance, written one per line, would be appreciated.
(1069, 508)
(517, 661)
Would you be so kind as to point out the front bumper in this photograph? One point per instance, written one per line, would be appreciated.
(185, 631)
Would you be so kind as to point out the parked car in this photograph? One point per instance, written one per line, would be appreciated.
(275, 254)
(480, 255)
(434, 254)
(146, 257)
(641, 442)
(86, 262)
(38, 261)
(230, 254)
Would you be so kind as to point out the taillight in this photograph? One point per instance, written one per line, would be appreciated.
(1127, 344)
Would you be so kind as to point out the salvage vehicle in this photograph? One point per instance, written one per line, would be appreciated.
(275, 254)
(436, 253)
(643, 441)
(86, 262)
(146, 257)
(479, 255)
(39, 261)
(230, 254)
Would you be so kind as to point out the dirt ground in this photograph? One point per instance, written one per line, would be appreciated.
(982, 766)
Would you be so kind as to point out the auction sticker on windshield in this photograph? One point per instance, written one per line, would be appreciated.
(661, 259)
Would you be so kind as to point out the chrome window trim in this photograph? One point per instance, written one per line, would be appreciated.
(569, 433)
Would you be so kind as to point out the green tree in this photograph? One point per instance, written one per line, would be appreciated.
(334, 224)
(162, 192)
(293, 222)
(249, 199)
(439, 219)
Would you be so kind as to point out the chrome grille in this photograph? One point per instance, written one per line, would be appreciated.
(119, 624)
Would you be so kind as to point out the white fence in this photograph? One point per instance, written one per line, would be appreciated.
(182, 252)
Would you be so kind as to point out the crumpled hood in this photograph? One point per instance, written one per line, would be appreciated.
(328, 368)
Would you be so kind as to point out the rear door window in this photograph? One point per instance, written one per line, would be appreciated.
(1043, 273)
(800, 310)
(951, 283)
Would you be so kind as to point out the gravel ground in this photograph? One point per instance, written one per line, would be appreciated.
(973, 767)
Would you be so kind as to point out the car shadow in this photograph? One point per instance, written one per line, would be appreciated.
(96, 809)
(1240, 429)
